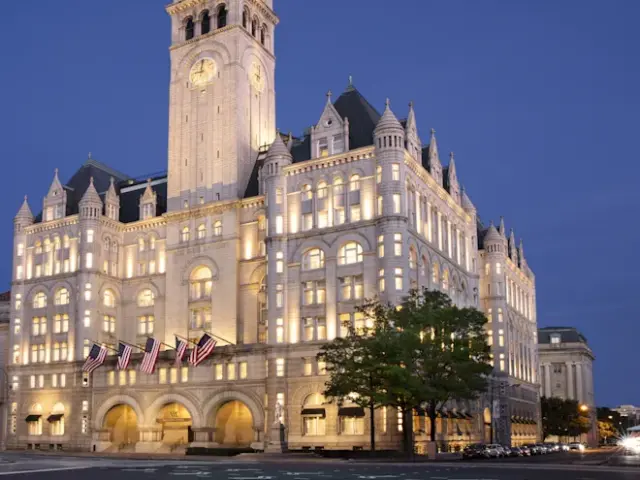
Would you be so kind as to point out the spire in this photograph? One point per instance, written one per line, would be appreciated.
(492, 235)
(513, 251)
(350, 87)
(91, 194)
(467, 204)
(523, 261)
(388, 119)
(25, 211)
(435, 167)
(111, 193)
(278, 149)
(411, 118)
(452, 166)
(329, 96)
(148, 194)
(148, 202)
(56, 186)
(289, 141)
(112, 201)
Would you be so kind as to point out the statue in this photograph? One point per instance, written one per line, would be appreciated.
(278, 413)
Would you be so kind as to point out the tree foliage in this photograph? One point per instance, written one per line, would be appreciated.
(420, 354)
(563, 418)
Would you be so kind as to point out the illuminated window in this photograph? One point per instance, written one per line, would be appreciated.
(501, 338)
(313, 421)
(141, 245)
(279, 330)
(322, 367)
(379, 174)
(379, 205)
(350, 253)
(184, 374)
(162, 375)
(354, 183)
(351, 287)
(313, 259)
(39, 326)
(500, 319)
(307, 221)
(435, 274)
(280, 367)
(108, 324)
(61, 296)
(323, 147)
(85, 405)
(380, 246)
(242, 367)
(40, 300)
(87, 318)
(306, 193)
(555, 338)
(202, 231)
(184, 235)
(279, 296)
(355, 213)
(279, 196)
(219, 372)
(231, 371)
(314, 328)
(146, 298)
(413, 258)
(217, 228)
(173, 375)
(61, 323)
(109, 298)
(397, 244)
(381, 284)
(18, 301)
(396, 203)
(279, 225)
(89, 260)
(308, 367)
(89, 236)
(395, 172)
(146, 324)
(322, 190)
(398, 279)
(111, 378)
(279, 262)
(498, 268)
(200, 283)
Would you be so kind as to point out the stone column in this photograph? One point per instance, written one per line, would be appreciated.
(547, 380)
(579, 386)
(571, 395)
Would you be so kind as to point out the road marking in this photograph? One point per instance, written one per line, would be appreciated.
(43, 470)
(199, 473)
(243, 470)
(145, 470)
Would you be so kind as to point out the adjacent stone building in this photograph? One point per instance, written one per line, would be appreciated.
(269, 242)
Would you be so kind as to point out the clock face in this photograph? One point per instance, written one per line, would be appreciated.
(256, 77)
(202, 72)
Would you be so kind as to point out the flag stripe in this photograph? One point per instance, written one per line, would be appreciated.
(151, 351)
(124, 356)
(181, 348)
(96, 357)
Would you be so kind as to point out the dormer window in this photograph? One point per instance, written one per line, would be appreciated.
(323, 147)
(338, 144)
(147, 211)
(556, 338)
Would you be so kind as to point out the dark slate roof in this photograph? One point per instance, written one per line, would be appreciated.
(445, 178)
(301, 149)
(130, 193)
(363, 117)
(567, 335)
(5, 296)
(425, 158)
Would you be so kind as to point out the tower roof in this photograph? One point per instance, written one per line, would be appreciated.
(25, 211)
(91, 194)
(278, 149)
(388, 119)
(492, 235)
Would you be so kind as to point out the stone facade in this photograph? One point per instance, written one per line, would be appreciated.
(355, 208)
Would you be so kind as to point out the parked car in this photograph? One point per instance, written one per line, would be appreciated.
(495, 450)
(552, 447)
(516, 452)
(576, 446)
(526, 451)
(564, 447)
(477, 450)
(534, 449)
(543, 448)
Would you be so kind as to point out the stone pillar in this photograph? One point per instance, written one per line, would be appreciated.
(204, 437)
(579, 386)
(276, 442)
(571, 395)
(547, 380)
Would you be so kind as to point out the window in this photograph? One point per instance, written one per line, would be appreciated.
(279, 262)
(85, 348)
(87, 318)
(500, 319)
(141, 245)
(379, 205)
(351, 425)
(108, 324)
(498, 268)
(280, 367)
(381, 284)
(313, 259)
(355, 213)
(61, 323)
(322, 190)
(279, 196)
(40, 300)
(217, 228)
(184, 235)
(323, 147)
(354, 183)
(313, 421)
(413, 259)
(350, 253)
(162, 375)
(306, 193)
(188, 29)
(201, 231)
(35, 425)
(184, 374)
(122, 377)
(85, 405)
(501, 338)
(307, 221)
(395, 172)
(87, 292)
(39, 326)
(145, 324)
(90, 236)
(199, 318)
(313, 293)
(231, 371)
(242, 370)
(61, 297)
(279, 225)
(307, 368)
(279, 296)
(379, 174)
(146, 298)
(555, 338)
(219, 372)
(109, 299)
(132, 377)
(205, 22)
(279, 330)
(398, 279)
(222, 16)
(351, 287)
(314, 328)
(445, 281)
(200, 283)
(397, 244)
(89, 260)
(245, 18)
(322, 367)
(396, 203)
(173, 375)
(18, 302)
(435, 274)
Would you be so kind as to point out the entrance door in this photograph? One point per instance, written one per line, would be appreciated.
(234, 425)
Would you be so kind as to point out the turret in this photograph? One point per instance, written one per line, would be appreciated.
(435, 167)
(148, 202)
(467, 204)
(523, 261)
(452, 180)
(513, 251)
(91, 204)
(24, 217)
(330, 135)
(54, 205)
(112, 202)
(502, 230)
(493, 241)
(414, 145)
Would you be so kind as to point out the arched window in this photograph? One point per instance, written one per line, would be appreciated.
(56, 419)
(146, 298)
(313, 414)
(200, 283)
(109, 298)
(425, 267)
(254, 26)
(322, 190)
(435, 276)
(413, 258)
(313, 259)
(202, 231)
(56, 242)
(349, 253)
(205, 22)
(184, 235)
(445, 281)
(245, 18)
(263, 34)
(61, 297)
(152, 243)
(306, 192)
(263, 311)
(141, 245)
(487, 268)
(34, 420)
(354, 183)
(222, 16)
(217, 228)
(40, 300)
(188, 29)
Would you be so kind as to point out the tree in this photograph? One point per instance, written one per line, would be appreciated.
(563, 418)
(423, 352)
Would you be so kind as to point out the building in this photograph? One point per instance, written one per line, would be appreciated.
(5, 313)
(354, 208)
(566, 368)
(630, 413)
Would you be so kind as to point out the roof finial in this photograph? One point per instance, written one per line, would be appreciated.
(433, 131)
(25, 198)
(350, 81)
(387, 103)
(329, 96)
(148, 180)
(451, 156)
(411, 104)
(91, 180)
(89, 156)
(55, 171)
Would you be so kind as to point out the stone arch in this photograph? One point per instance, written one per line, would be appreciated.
(33, 291)
(149, 285)
(62, 284)
(225, 396)
(307, 245)
(356, 171)
(110, 286)
(114, 401)
(353, 236)
(218, 51)
(155, 407)
(251, 55)
(201, 260)
(258, 274)
(300, 394)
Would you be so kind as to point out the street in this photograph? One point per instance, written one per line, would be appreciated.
(29, 466)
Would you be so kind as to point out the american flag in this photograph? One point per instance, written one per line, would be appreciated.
(151, 350)
(124, 356)
(181, 348)
(202, 350)
(96, 357)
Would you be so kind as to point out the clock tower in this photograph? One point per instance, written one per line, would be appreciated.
(221, 97)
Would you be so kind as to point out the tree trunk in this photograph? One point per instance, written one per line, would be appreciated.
(407, 429)
(372, 425)
(432, 421)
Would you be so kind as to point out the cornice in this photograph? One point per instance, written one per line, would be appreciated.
(203, 211)
(52, 225)
(329, 162)
(252, 202)
(265, 10)
(143, 224)
(183, 5)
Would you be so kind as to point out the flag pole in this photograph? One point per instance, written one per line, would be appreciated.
(105, 346)
(168, 346)
(219, 338)
(131, 345)
(186, 340)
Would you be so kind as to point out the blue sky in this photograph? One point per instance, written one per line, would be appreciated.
(538, 99)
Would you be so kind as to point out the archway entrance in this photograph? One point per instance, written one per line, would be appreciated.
(122, 423)
(176, 424)
(234, 425)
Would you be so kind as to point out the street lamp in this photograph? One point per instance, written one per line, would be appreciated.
(585, 408)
